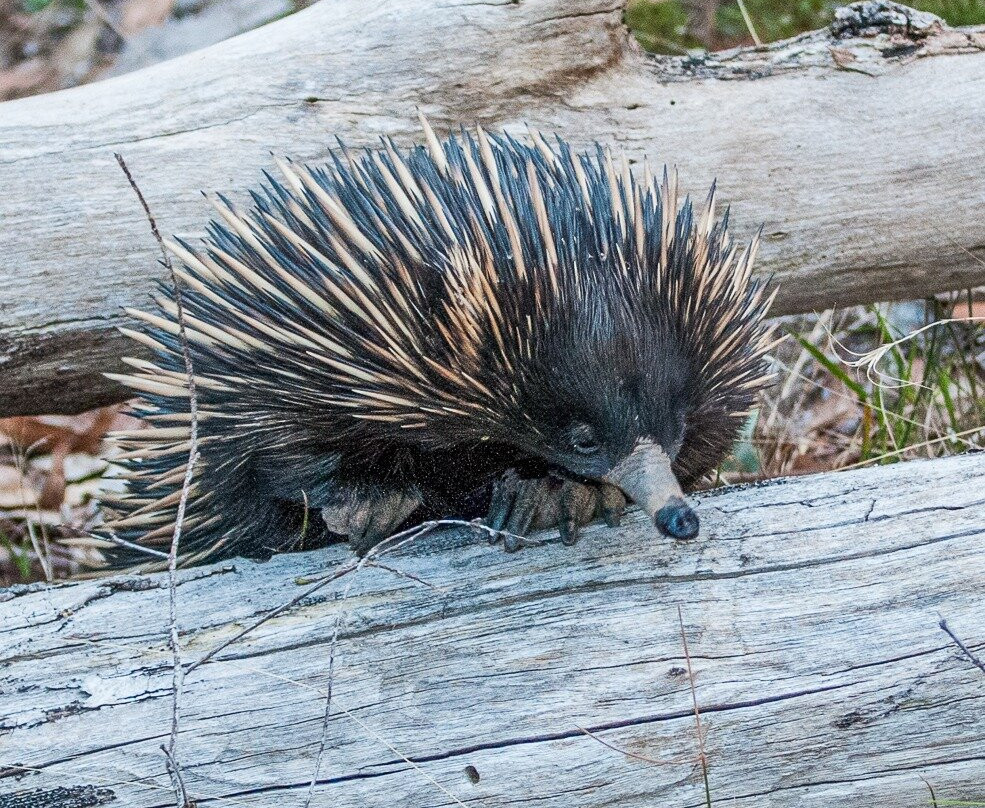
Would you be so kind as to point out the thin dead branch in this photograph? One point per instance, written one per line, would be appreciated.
(703, 759)
(177, 779)
(627, 753)
(387, 545)
(964, 648)
(323, 740)
(41, 549)
(177, 679)
(331, 660)
(403, 574)
(129, 545)
(748, 21)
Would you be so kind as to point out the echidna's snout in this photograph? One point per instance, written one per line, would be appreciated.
(677, 520)
(646, 477)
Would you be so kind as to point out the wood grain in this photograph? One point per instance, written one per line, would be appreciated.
(855, 146)
(810, 607)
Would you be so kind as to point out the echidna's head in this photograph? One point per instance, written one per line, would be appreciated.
(643, 378)
(609, 397)
(626, 342)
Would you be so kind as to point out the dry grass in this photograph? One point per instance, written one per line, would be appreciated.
(868, 385)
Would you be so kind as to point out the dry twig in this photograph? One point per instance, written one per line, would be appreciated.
(331, 661)
(703, 759)
(417, 579)
(41, 549)
(328, 705)
(964, 648)
(387, 545)
(320, 583)
(177, 679)
(129, 545)
(749, 25)
(627, 753)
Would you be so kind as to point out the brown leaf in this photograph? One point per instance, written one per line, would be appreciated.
(61, 435)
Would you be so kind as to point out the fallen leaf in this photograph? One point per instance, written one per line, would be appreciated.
(60, 436)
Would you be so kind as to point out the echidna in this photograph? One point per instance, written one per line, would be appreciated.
(390, 336)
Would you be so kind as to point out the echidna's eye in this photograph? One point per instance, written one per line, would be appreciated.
(583, 439)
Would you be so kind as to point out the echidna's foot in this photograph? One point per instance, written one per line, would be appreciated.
(515, 502)
(520, 506)
(612, 504)
(576, 504)
(366, 516)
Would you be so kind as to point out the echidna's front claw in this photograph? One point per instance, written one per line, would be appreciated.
(501, 504)
(519, 506)
(514, 506)
(613, 505)
(578, 503)
(569, 531)
(365, 516)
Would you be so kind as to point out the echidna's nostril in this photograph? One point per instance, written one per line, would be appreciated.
(677, 520)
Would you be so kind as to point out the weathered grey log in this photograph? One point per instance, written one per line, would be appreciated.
(856, 146)
(811, 610)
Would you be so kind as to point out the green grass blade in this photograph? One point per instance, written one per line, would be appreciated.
(833, 368)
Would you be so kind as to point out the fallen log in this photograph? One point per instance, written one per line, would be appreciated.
(555, 677)
(851, 144)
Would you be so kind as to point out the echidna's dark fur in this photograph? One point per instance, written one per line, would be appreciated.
(425, 321)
